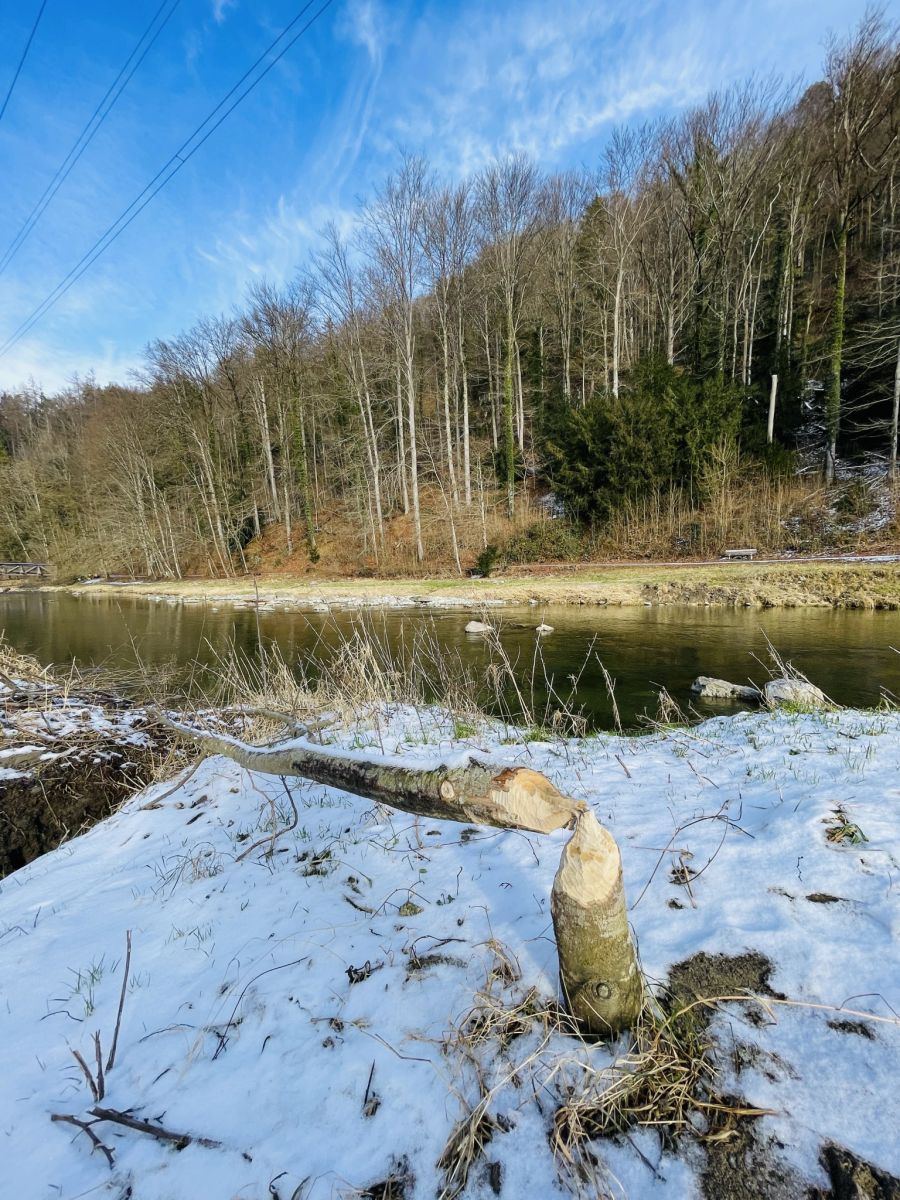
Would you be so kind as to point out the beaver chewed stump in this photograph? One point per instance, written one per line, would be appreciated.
(597, 963)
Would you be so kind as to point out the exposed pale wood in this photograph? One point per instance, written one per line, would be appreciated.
(477, 793)
(770, 428)
(597, 963)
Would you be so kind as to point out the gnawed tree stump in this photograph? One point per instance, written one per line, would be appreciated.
(597, 966)
(597, 963)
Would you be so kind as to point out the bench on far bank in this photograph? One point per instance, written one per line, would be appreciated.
(731, 555)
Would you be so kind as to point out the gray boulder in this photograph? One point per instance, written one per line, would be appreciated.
(796, 693)
(708, 688)
(477, 627)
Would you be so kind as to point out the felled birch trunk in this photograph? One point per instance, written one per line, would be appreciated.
(477, 793)
(598, 968)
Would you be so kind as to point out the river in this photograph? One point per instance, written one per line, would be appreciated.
(847, 653)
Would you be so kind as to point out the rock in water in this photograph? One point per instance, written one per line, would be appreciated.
(542, 628)
(720, 689)
(477, 627)
(797, 693)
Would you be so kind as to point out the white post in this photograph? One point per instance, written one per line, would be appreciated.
(771, 430)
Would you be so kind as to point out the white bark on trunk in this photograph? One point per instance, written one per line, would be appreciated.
(467, 464)
(617, 305)
(413, 448)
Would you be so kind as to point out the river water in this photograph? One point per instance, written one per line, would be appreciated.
(847, 653)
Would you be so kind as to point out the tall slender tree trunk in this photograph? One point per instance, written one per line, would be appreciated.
(520, 402)
(288, 528)
(833, 392)
(364, 400)
(262, 416)
(895, 420)
(402, 472)
(770, 428)
(467, 464)
(617, 309)
(413, 448)
(305, 496)
(448, 427)
(509, 436)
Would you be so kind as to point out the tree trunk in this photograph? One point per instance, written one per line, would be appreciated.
(262, 416)
(401, 444)
(448, 430)
(509, 436)
(413, 448)
(520, 403)
(598, 969)
(467, 464)
(305, 498)
(833, 394)
(895, 419)
(770, 430)
(617, 305)
(503, 797)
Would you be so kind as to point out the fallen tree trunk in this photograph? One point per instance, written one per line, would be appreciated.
(504, 797)
(598, 967)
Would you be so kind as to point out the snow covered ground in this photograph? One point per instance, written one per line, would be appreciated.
(301, 1009)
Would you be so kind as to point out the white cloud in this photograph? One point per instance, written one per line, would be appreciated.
(364, 23)
(553, 80)
(547, 82)
(220, 9)
(52, 366)
(274, 245)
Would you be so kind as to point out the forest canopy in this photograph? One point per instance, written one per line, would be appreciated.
(718, 301)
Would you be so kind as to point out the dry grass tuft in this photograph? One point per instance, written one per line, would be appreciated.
(347, 678)
(465, 1147)
(20, 669)
(663, 1076)
(666, 1080)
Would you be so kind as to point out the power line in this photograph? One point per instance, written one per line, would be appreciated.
(24, 56)
(167, 172)
(84, 139)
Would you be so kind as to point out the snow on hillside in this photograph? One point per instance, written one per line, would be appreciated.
(302, 1010)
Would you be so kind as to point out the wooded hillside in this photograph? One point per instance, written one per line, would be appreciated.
(607, 339)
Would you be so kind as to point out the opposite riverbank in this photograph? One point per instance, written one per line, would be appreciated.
(872, 583)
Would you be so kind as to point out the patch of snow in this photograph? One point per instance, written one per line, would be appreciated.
(242, 1021)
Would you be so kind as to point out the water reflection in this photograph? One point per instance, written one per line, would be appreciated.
(847, 653)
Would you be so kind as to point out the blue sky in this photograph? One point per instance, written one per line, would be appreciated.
(456, 80)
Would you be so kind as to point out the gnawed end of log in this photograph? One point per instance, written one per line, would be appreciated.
(477, 793)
